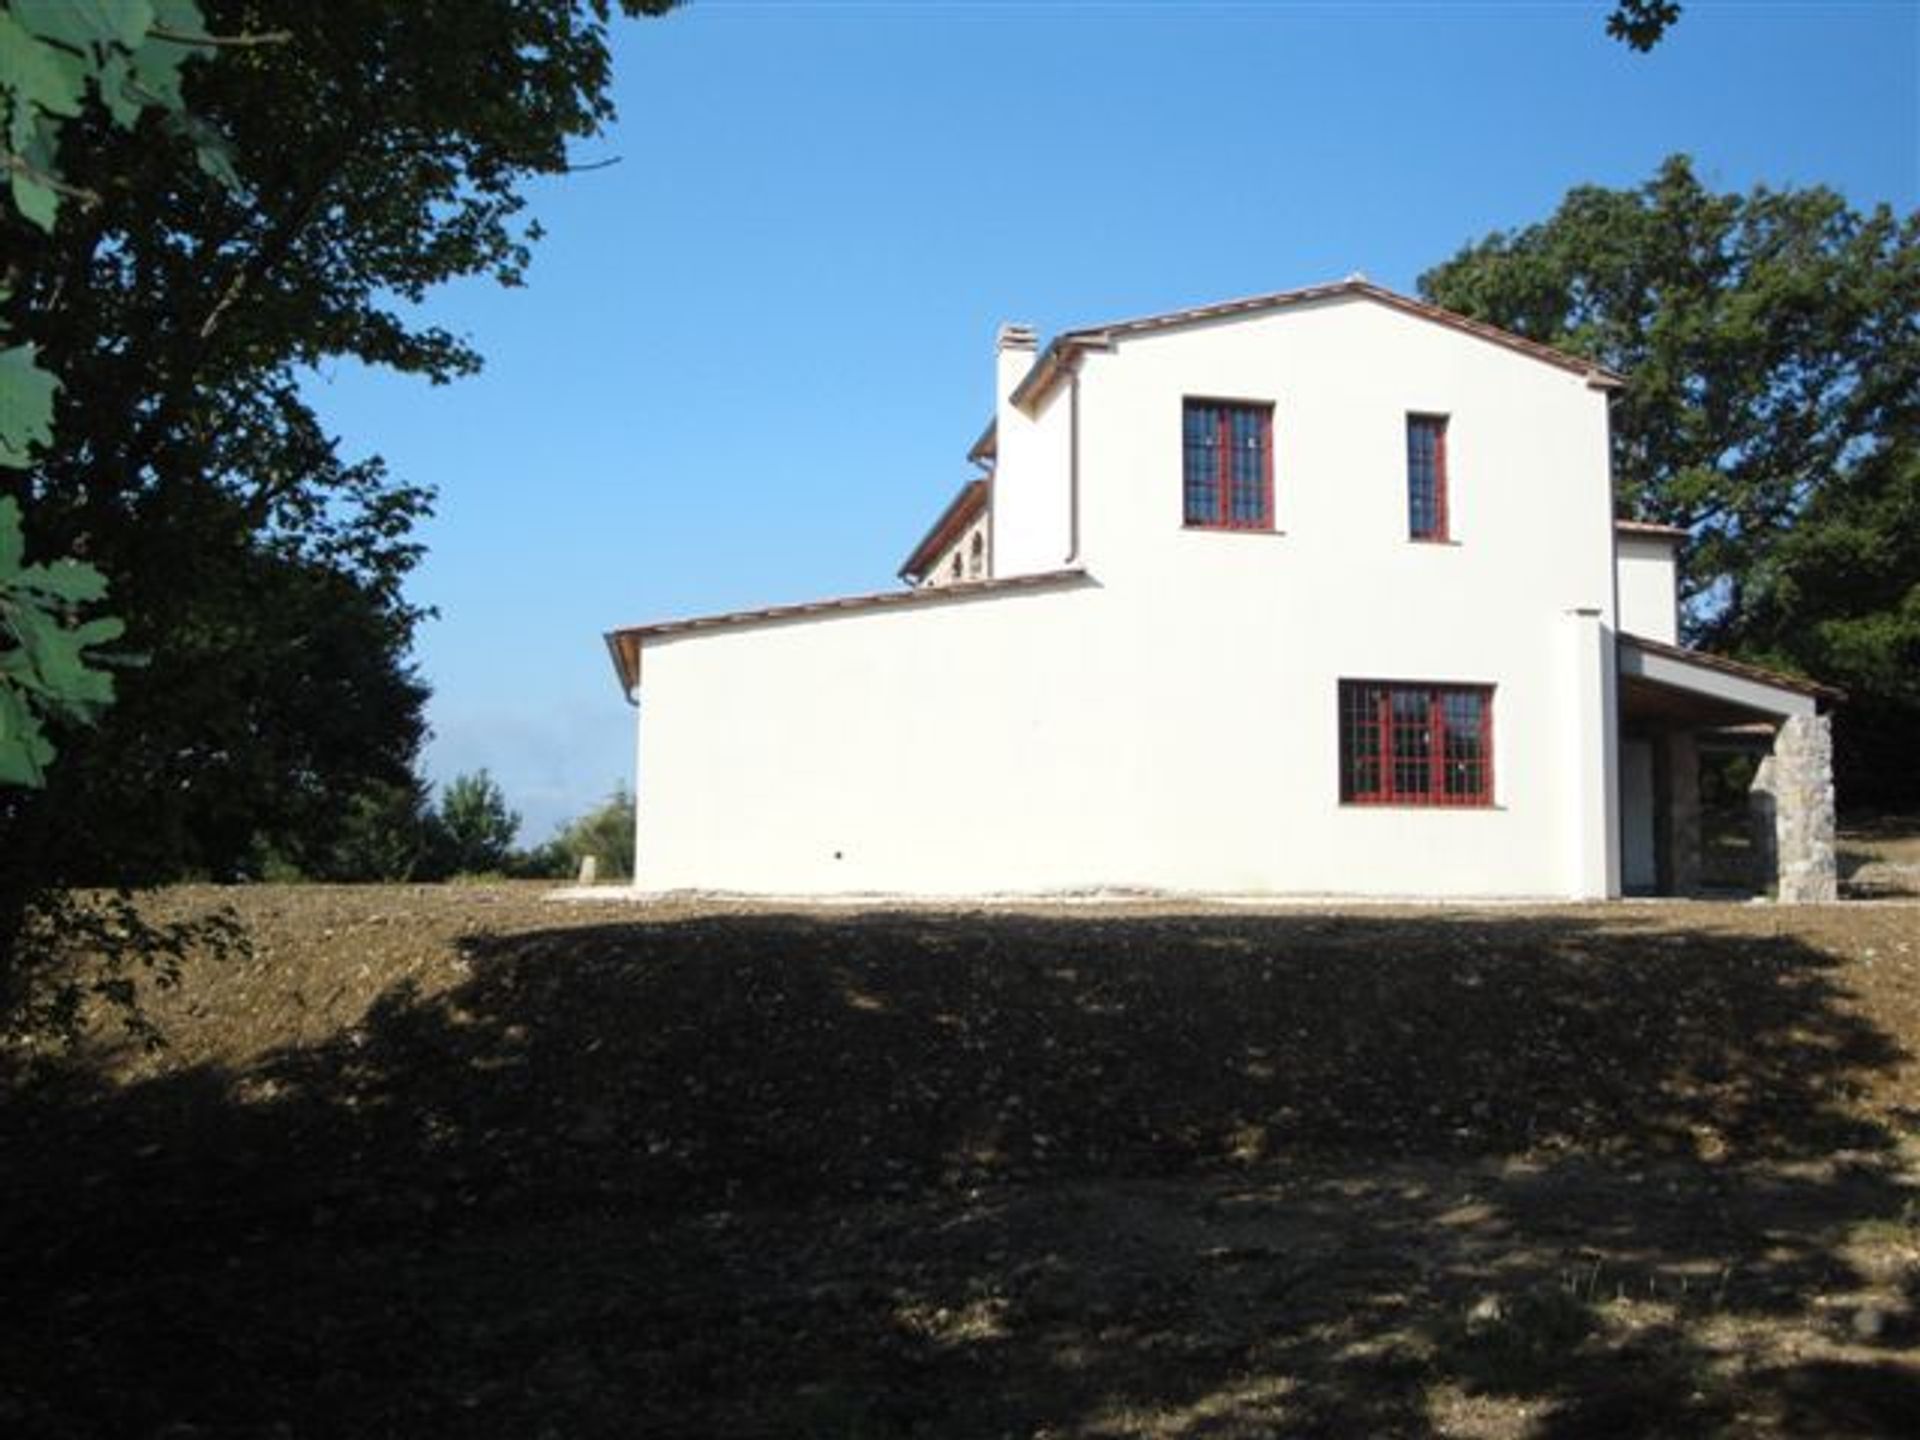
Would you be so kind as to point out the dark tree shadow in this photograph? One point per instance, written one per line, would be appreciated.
(897, 1174)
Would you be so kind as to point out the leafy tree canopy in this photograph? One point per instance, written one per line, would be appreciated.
(1771, 343)
(1642, 24)
(379, 150)
(604, 832)
(475, 829)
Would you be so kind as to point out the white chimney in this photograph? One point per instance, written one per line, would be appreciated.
(1013, 356)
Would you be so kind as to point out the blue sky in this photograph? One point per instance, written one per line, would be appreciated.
(752, 354)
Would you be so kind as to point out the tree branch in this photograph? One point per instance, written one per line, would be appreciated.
(223, 42)
(20, 165)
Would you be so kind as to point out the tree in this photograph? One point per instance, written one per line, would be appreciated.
(128, 57)
(1771, 343)
(59, 948)
(475, 829)
(1642, 24)
(381, 150)
(390, 833)
(604, 832)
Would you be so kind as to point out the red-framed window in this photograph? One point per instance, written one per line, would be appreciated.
(1427, 477)
(1228, 465)
(1415, 744)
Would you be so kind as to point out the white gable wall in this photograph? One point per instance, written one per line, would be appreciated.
(1250, 625)
(1173, 724)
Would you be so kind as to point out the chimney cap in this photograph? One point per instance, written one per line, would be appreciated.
(1014, 336)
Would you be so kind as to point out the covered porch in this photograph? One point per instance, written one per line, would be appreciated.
(1678, 707)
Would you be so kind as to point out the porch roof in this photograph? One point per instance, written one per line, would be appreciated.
(1661, 681)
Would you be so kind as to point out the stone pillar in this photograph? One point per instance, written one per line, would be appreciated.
(1683, 813)
(1763, 824)
(1797, 779)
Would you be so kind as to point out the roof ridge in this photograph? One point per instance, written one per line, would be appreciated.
(1039, 378)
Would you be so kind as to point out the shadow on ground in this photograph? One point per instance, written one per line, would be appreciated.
(896, 1175)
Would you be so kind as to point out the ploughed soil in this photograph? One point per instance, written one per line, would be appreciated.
(459, 1161)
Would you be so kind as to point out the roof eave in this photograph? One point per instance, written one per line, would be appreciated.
(1069, 345)
(627, 670)
(959, 513)
(1825, 696)
(633, 638)
(1649, 530)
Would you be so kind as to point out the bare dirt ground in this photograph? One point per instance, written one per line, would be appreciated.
(454, 1161)
(1881, 857)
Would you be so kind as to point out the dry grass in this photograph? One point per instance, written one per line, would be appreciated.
(456, 1162)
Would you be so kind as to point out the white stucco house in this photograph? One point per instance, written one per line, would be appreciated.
(1315, 593)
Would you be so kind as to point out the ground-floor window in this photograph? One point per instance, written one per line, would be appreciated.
(1415, 744)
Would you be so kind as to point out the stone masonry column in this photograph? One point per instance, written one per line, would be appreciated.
(1798, 780)
(1683, 812)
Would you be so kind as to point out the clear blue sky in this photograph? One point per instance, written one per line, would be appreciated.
(751, 356)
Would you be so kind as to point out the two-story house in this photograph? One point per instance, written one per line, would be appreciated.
(1319, 592)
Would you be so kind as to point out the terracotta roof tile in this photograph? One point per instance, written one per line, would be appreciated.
(625, 643)
(1741, 668)
(1065, 347)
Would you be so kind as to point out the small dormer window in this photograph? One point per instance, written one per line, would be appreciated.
(1228, 465)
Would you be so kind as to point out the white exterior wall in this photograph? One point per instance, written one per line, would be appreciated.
(1649, 587)
(1173, 723)
(955, 747)
(1032, 514)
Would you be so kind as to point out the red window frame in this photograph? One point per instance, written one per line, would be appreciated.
(1437, 425)
(1416, 743)
(1221, 480)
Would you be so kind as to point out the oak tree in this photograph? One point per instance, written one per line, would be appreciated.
(1771, 344)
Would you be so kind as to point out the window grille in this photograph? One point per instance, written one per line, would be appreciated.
(1427, 477)
(1415, 744)
(1228, 465)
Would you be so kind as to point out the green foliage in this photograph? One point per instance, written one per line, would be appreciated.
(128, 53)
(383, 149)
(604, 832)
(394, 832)
(1642, 24)
(475, 830)
(390, 833)
(26, 405)
(1772, 349)
(45, 670)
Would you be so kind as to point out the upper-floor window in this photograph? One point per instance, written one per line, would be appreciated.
(1228, 467)
(1427, 477)
(977, 554)
(1415, 744)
